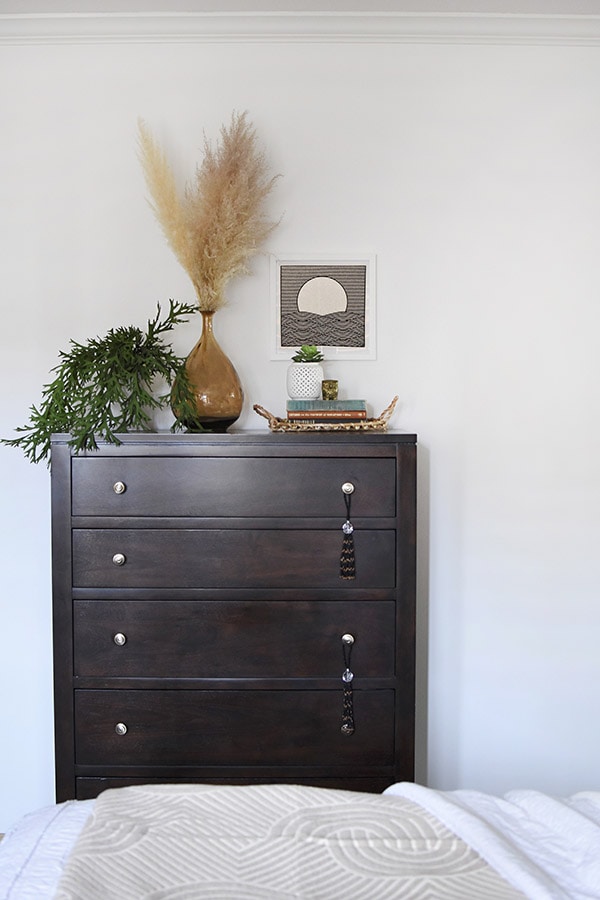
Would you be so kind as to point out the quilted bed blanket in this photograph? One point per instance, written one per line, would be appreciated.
(270, 842)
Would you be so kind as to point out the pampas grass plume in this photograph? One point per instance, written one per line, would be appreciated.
(218, 223)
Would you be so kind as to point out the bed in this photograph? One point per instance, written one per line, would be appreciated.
(279, 842)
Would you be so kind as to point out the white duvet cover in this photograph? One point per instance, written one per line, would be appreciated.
(545, 846)
(34, 852)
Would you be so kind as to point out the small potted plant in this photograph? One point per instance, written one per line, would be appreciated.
(305, 374)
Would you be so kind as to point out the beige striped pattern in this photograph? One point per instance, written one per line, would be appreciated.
(270, 842)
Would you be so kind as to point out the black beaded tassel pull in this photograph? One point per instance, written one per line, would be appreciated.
(347, 727)
(347, 560)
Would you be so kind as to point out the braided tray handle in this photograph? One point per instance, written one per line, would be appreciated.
(271, 419)
(386, 415)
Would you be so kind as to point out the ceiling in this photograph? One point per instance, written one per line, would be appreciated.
(486, 7)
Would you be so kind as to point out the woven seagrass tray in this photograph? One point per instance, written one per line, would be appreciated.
(378, 424)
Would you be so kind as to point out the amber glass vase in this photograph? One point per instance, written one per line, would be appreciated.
(215, 383)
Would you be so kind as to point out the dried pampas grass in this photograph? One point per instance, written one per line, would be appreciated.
(218, 223)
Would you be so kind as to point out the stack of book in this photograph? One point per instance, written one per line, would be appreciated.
(321, 412)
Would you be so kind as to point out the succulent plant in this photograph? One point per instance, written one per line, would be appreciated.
(307, 353)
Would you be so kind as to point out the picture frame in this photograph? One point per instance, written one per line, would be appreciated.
(326, 300)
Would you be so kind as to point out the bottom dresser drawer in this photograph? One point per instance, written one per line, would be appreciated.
(231, 728)
(87, 788)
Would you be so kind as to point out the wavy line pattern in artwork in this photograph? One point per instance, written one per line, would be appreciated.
(335, 330)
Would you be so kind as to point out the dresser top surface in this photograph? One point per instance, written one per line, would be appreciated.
(246, 438)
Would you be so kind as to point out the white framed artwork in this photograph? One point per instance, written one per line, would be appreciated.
(324, 300)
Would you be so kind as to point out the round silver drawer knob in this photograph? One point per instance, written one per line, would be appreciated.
(119, 487)
(348, 639)
(119, 559)
(121, 728)
(119, 639)
(348, 487)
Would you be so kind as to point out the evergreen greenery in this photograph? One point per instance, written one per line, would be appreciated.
(105, 387)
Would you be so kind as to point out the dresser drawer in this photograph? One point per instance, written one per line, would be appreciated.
(87, 788)
(221, 728)
(229, 558)
(231, 639)
(232, 486)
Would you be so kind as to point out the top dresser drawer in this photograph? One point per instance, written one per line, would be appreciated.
(232, 486)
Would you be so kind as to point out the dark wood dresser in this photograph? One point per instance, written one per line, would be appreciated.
(201, 623)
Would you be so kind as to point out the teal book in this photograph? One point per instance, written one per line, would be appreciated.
(326, 405)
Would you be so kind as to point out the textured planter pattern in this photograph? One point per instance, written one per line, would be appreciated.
(304, 381)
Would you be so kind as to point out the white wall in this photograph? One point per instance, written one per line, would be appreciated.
(472, 171)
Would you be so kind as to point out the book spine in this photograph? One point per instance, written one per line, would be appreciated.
(325, 422)
(327, 415)
(323, 405)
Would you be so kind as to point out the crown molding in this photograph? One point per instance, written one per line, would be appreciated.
(377, 27)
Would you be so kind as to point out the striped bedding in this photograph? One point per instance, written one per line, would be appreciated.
(270, 842)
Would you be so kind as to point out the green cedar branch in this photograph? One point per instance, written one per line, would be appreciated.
(104, 387)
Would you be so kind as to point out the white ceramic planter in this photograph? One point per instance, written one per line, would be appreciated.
(304, 380)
